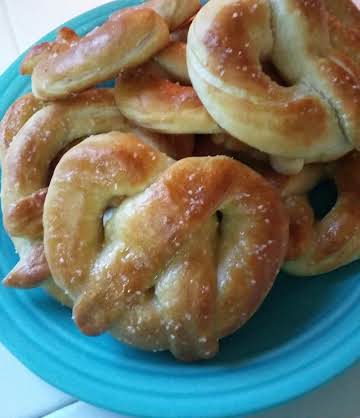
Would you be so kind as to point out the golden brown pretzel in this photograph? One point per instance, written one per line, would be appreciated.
(151, 96)
(25, 170)
(317, 118)
(334, 241)
(156, 270)
(317, 246)
(127, 39)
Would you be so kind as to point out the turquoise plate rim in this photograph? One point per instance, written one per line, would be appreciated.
(130, 397)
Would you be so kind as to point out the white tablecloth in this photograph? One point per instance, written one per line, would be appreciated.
(22, 394)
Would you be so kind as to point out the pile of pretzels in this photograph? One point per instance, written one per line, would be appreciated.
(163, 208)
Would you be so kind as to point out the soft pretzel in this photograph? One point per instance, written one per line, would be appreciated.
(317, 118)
(334, 240)
(150, 97)
(127, 39)
(317, 246)
(26, 169)
(156, 270)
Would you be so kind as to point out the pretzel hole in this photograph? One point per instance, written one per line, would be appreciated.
(323, 198)
(271, 71)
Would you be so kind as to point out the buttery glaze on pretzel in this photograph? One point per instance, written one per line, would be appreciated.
(159, 270)
(317, 118)
(151, 96)
(129, 38)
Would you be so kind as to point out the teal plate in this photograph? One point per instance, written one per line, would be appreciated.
(307, 331)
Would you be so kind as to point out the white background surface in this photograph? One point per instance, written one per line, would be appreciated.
(22, 394)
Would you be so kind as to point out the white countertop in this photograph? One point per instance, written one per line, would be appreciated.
(22, 394)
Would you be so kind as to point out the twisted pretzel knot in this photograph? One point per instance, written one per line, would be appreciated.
(160, 271)
(317, 118)
(129, 38)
